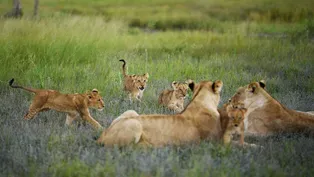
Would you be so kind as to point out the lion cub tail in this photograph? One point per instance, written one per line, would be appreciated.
(123, 67)
(21, 87)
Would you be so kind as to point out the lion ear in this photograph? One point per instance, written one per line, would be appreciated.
(146, 75)
(192, 85)
(174, 85)
(217, 86)
(262, 84)
(252, 87)
(94, 92)
(187, 82)
(89, 94)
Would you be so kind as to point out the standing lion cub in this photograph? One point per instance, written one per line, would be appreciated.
(134, 85)
(174, 99)
(233, 123)
(73, 104)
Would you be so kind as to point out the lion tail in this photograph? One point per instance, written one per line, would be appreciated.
(21, 87)
(123, 67)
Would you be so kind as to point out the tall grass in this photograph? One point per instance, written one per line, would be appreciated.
(83, 52)
(179, 14)
(75, 54)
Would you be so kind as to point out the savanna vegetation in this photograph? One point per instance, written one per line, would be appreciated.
(75, 45)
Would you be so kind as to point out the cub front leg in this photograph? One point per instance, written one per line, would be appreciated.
(134, 96)
(174, 107)
(227, 138)
(87, 117)
(180, 107)
(140, 95)
(242, 135)
(138, 98)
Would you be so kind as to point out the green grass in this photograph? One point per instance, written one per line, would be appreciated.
(86, 50)
(179, 14)
(78, 53)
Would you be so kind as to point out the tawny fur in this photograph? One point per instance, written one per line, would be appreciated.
(265, 115)
(200, 120)
(174, 99)
(232, 122)
(73, 104)
(128, 113)
(134, 85)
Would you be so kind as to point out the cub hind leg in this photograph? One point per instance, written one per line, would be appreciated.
(37, 105)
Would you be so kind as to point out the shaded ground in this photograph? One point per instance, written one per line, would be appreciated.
(46, 147)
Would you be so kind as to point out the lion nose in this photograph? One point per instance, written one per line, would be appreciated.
(235, 125)
(142, 88)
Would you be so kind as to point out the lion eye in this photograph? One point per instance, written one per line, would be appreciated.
(139, 80)
(99, 99)
(144, 80)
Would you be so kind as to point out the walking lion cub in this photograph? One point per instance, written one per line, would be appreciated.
(73, 104)
(134, 85)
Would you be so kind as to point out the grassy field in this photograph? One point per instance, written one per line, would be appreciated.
(74, 46)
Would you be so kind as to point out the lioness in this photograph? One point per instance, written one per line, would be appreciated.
(134, 85)
(265, 115)
(199, 120)
(174, 99)
(73, 104)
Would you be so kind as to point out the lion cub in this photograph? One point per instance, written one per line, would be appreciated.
(174, 99)
(233, 123)
(73, 104)
(134, 85)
